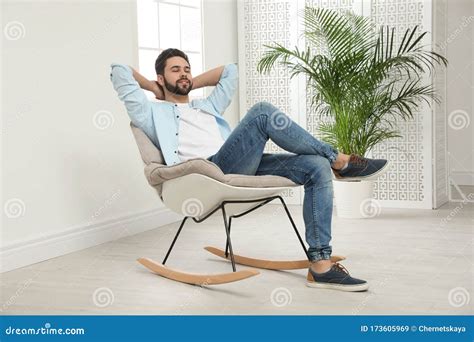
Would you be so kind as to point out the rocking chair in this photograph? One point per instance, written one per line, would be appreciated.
(197, 189)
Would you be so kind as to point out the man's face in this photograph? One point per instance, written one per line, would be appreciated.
(177, 76)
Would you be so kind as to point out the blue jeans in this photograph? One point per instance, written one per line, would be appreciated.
(308, 164)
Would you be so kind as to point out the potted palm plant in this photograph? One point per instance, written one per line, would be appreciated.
(361, 82)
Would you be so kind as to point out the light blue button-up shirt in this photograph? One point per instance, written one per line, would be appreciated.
(160, 120)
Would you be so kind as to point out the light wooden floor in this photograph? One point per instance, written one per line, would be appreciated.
(416, 263)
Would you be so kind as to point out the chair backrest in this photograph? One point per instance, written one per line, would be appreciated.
(148, 151)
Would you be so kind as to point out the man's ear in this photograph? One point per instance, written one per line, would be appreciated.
(161, 80)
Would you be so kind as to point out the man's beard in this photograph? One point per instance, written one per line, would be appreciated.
(176, 90)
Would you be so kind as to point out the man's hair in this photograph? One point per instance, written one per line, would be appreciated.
(163, 57)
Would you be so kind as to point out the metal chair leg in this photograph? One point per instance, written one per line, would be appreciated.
(227, 231)
(294, 227)
(263, 202)
(174, 240)
(227, 240)
(227, 225)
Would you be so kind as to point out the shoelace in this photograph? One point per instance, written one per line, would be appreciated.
(339, 268)
(358, 160)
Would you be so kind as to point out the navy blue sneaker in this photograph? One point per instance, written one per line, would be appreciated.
(360, 168)
(337, 278)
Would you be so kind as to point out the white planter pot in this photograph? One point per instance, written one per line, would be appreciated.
(354, 199)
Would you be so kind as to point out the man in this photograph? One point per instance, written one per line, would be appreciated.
(197, 129)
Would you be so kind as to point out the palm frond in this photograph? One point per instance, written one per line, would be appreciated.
(358, 77)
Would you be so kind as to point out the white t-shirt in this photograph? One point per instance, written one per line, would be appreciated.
(198, 135)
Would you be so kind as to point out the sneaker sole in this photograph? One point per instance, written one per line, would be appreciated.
(347, 288)
(375, 175)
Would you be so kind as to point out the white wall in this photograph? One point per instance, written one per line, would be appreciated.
(460, 90)
(60, 171)
(220, 42)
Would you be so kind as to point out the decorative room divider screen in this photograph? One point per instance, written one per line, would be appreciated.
(418, 174)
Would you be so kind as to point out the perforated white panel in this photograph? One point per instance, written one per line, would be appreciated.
(264, 22)
(409, 180)
(440, 176)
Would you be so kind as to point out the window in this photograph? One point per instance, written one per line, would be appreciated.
(166, 24)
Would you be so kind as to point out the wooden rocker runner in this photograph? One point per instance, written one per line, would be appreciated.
(267, 264)
(197, 189)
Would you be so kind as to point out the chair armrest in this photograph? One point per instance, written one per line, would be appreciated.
(156, 174)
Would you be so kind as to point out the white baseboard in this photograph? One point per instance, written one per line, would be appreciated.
(463, 177)
(31, 251)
